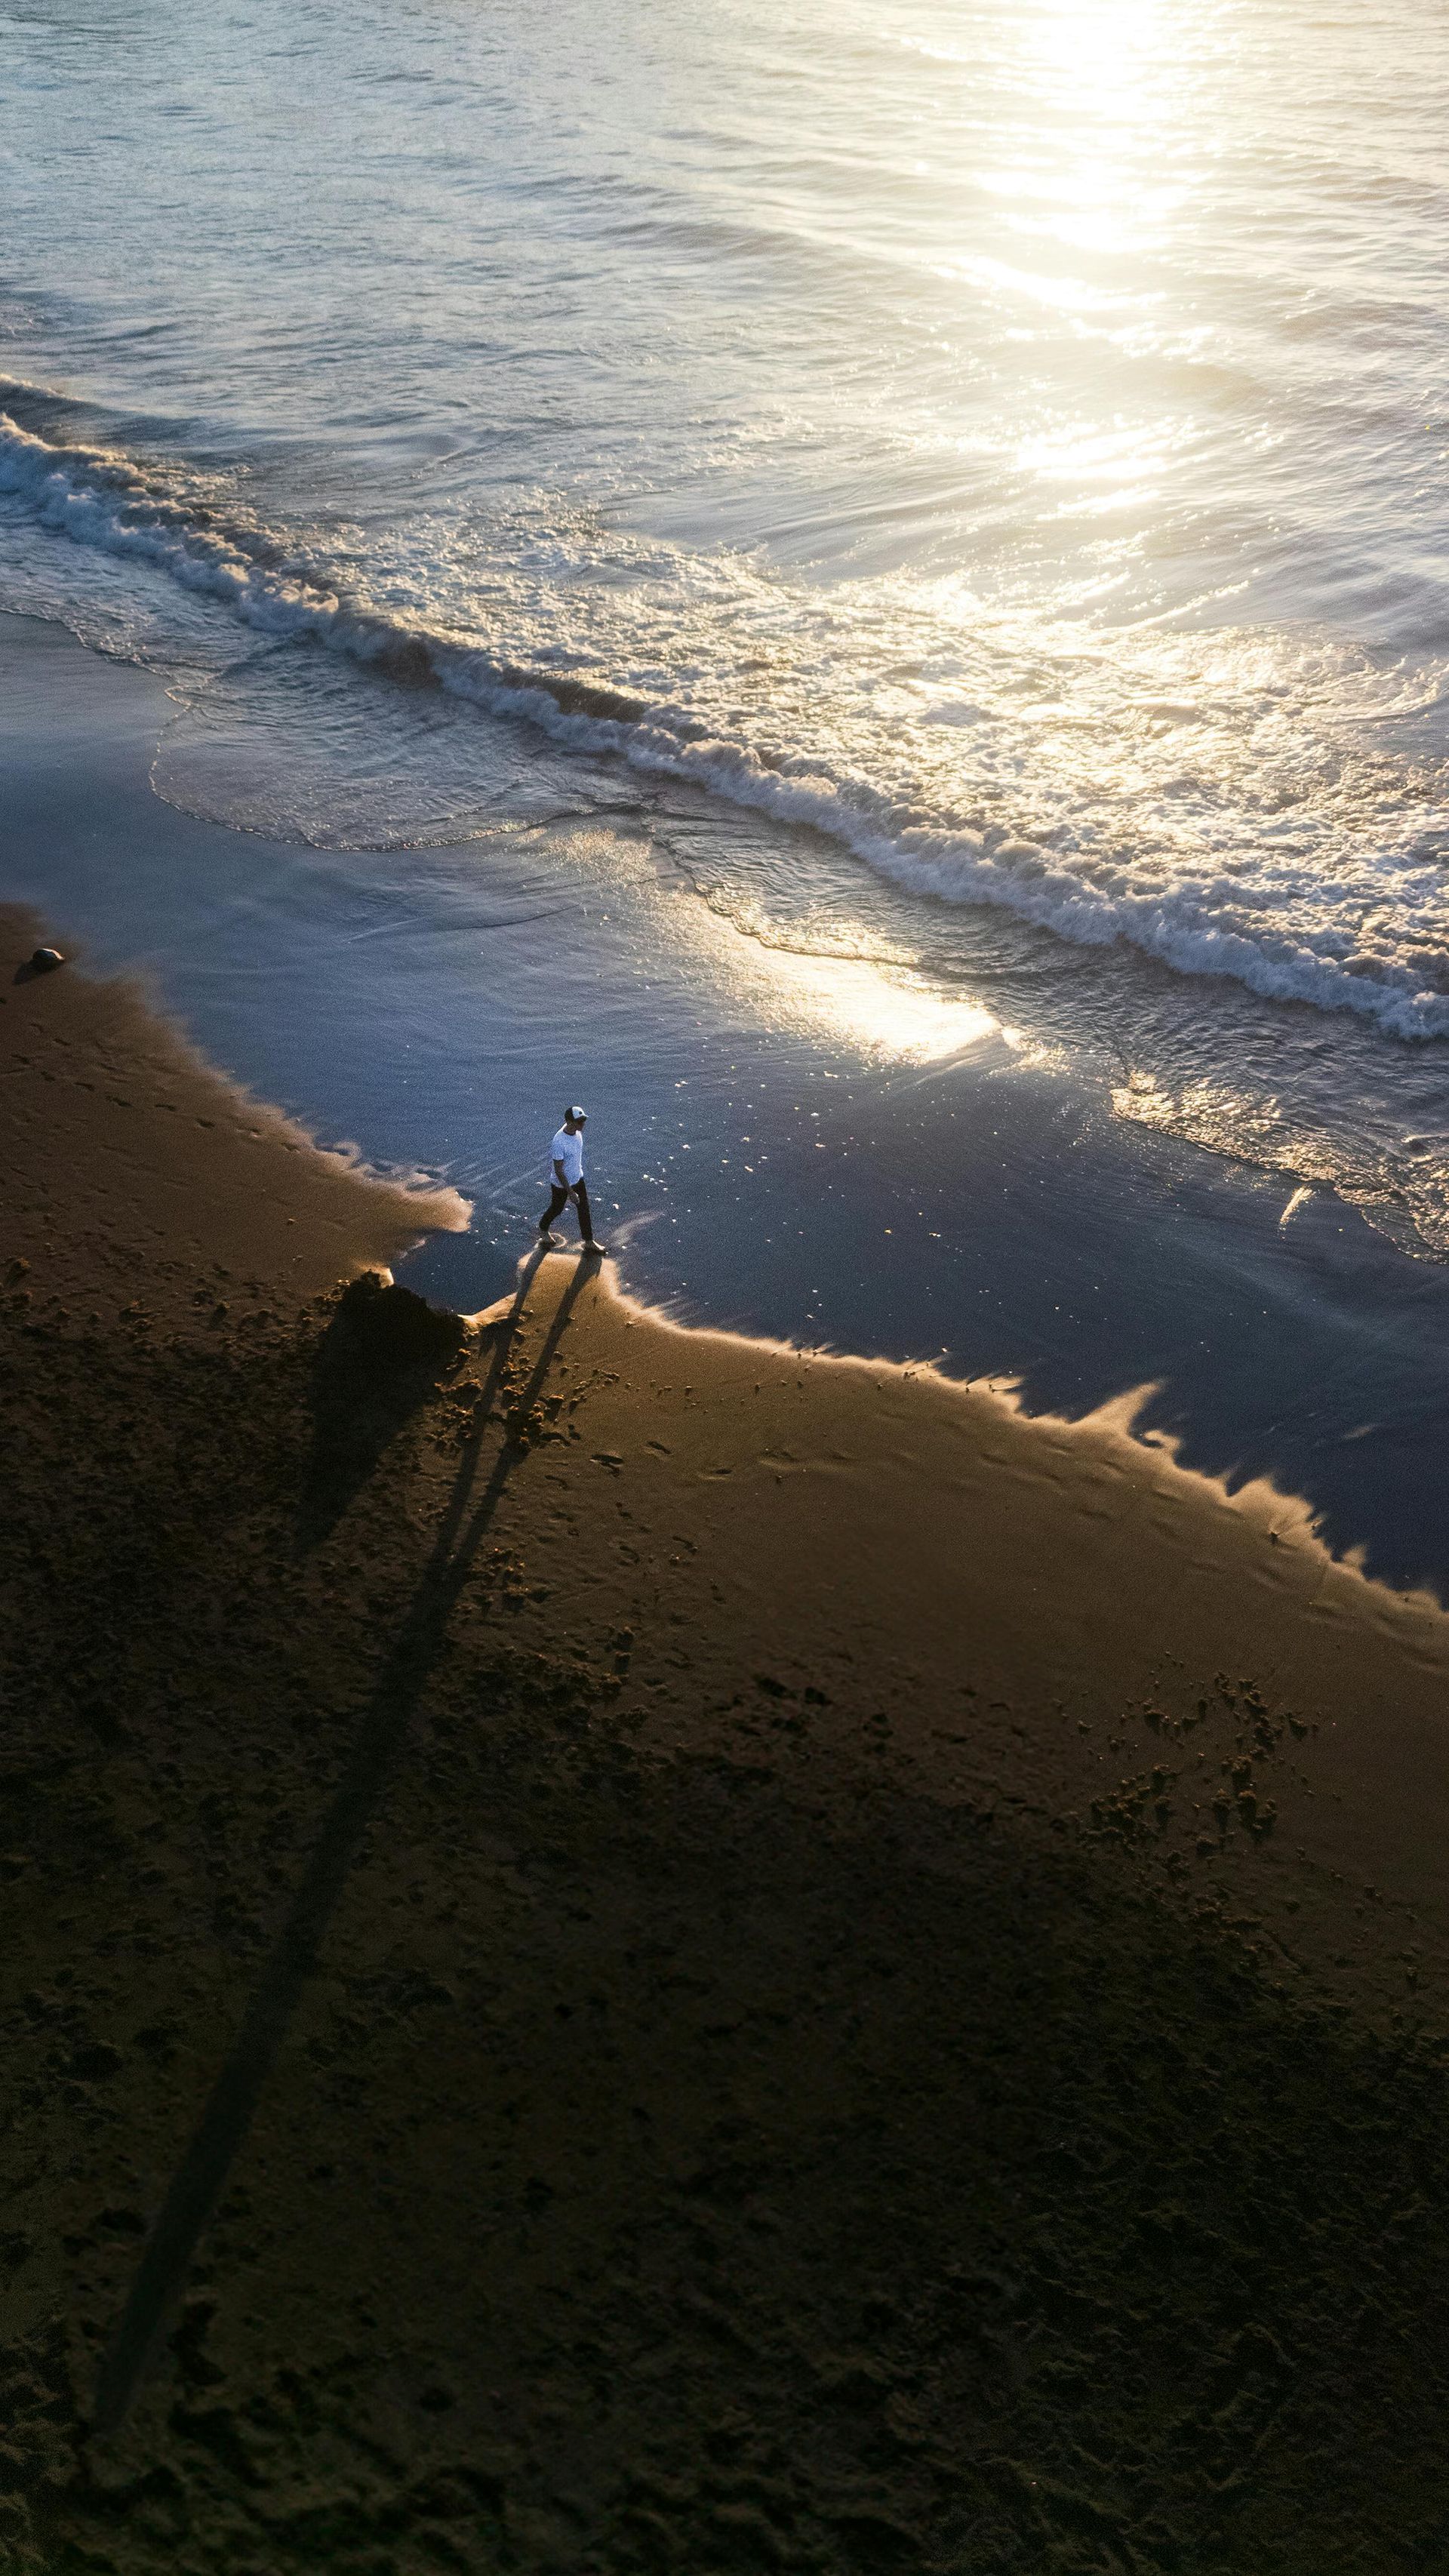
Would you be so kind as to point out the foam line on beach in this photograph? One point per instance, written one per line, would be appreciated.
(1287, 941)
(1113, 1429)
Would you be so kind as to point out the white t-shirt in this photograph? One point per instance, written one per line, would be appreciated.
(568, 1150)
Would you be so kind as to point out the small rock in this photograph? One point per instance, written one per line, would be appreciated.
(45, 960)
(378, 1326)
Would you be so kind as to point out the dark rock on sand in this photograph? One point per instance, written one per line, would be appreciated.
(380, 1358)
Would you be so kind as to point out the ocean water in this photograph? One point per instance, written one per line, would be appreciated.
(965, 486)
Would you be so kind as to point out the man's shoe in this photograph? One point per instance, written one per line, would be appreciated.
(597, 1249)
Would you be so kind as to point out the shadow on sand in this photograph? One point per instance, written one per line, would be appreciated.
(381, 1358)
(233, 2100)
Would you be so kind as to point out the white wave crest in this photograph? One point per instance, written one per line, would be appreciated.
(1379, 949)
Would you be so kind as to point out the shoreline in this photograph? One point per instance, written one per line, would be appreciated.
(773, 1174)
(762, 1934)
(108, 1113)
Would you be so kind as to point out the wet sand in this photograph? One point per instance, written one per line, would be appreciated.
(631, 1951)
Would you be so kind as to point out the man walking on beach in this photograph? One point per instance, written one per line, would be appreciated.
(567, 1151)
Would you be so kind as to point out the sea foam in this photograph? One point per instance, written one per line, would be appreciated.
(1371, 938)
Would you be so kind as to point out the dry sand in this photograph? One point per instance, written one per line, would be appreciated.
(629, 1950)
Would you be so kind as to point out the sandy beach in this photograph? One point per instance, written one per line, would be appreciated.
(774, 1903)
(631, 1950)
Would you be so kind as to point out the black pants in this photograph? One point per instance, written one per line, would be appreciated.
(559, 1201)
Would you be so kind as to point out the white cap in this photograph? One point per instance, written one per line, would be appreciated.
(576, 1113)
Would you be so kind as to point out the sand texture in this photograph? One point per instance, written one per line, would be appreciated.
(626, 1951)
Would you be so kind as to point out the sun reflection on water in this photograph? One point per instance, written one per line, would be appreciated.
(1102, 53)
(882, 1010)
(1097, 172)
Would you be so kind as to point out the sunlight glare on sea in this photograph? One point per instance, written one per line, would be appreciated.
(992, 450)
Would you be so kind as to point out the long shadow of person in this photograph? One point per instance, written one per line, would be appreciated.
(232, 2103)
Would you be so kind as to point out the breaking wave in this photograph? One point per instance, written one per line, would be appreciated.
(1341, 929)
